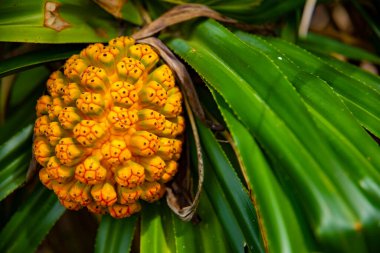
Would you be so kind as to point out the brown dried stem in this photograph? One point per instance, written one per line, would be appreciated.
(177, 15)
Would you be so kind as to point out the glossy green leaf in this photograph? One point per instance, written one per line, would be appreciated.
(26, 83)
(234, 190)
(25, 92)
(36, 58)
(115, 235)
(126, 10)
(318, 95)
(13, 174)
(130, 12)
(358, 93)
(15, 142)
(223, 210)
(220, 205)
(152, 235)
(282, 125)
(354, 72)
(167, 216)
(212, 235)
(17, 120)
(324, 45)
(15, 155)
(186, 236)
(31, 222)
(279, 224)
(24, 22)
(206, 236)
(350, 144)
(216, 229)
(369, 121)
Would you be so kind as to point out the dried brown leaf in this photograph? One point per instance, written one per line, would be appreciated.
(179, 193)
(52, 18)
(177, 15)
(111, 6)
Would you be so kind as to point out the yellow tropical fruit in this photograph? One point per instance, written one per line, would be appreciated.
(109, 133)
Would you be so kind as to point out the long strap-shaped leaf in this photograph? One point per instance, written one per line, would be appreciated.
(25, 22)
(36, 58)
(16, 120)
(360, 96)
(31, 222)
(223, 210)
(360, 151)
(14, 142)
(223, 207)
(325, 45)
(281, 228)
(278, 92)
(354, 72)
(162, 231)
(13, 175)
(211, 234)
(152, 234)
(115, 236)
(239, 80)
(234, 189)
(206, 236)
(14, 158)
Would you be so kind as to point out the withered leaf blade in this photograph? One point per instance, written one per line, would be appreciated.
(177, 15)
(52, 17)
(181, 204)
(178, 194)
(113, 7)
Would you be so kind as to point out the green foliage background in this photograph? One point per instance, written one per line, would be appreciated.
(297, 169)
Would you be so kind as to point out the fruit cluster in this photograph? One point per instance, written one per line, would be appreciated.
(109, 133)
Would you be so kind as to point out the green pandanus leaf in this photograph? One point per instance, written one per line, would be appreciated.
(15, 155)
(360, 98)
(281, 228)
(25, 96)
(221, 204)
(223, 209)
(353, 71)
(13, 174)
(31, 222)
(325, 46)
(212, 234)
(36, 58)
(126, 10)
(360, 150)
(55, 22)
(115, 235)
(152, 235)
(280, 121)
(234, 190)
(206, 236)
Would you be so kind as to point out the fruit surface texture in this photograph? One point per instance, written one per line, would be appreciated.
(109, 134)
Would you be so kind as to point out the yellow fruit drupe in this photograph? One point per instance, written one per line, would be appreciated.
(109, 134)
